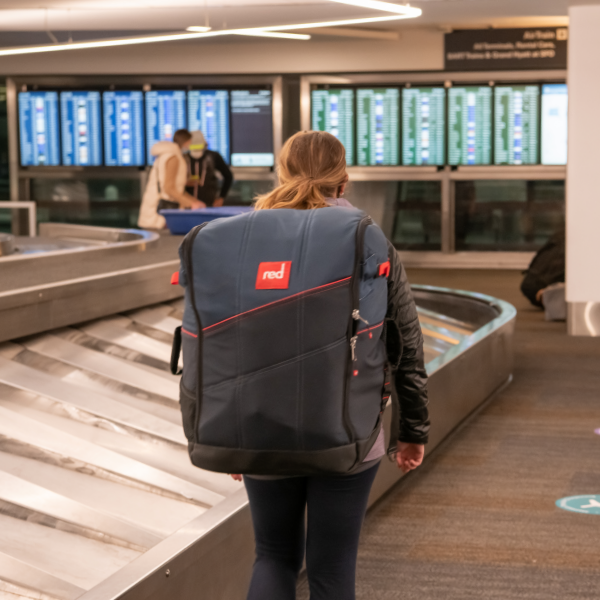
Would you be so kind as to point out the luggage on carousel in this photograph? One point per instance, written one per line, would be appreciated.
(283, 347)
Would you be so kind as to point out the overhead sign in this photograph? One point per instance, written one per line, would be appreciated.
(506, 49)
(588, 505)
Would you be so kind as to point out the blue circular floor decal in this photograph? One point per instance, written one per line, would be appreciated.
(588, 504)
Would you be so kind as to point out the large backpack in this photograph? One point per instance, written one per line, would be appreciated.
(283, 350)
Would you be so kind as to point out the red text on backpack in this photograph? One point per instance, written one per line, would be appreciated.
(273, 275)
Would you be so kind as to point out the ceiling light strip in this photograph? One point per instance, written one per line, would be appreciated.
(274, 34)
(300, 26)
(401, 9)
(107, 43)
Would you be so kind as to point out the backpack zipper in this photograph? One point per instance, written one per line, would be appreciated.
(354, 319)
(189, 267)
(356, 316)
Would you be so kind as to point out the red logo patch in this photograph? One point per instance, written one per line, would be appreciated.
(273, 276)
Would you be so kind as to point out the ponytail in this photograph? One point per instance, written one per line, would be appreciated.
(312, 167)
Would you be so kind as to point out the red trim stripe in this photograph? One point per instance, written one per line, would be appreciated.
(371, 328)
(188, 332)
(277, 302)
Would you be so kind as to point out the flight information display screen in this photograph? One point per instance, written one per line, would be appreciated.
(81, 132)
(423, 126)
(516, 125)
(333, 111)
(470, 126)
(124, 129)
(208, 111)
(38, 128)
(555, 106)
(378, 132)
(251, 128)
(165, 114)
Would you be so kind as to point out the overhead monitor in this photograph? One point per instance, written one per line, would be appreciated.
(165, 114)
(81, 132)
(378, 131)
(470, 125)
(124, 129)
(251, 128)
(516, 125)
(333, 111)
(423, 126)
(555, 104)
(38, 128)
(208, 111)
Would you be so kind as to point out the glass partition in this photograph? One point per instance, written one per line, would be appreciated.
(509, 215)
(103, 202)
(418, 216)
(110, 202)
(409, 212)
(243, 193)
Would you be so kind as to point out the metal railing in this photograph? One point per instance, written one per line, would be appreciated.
(31, 209)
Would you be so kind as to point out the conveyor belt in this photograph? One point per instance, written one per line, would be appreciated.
(94, 468)
(94, 471)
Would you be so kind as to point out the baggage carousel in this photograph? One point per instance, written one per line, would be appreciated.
(98, 499)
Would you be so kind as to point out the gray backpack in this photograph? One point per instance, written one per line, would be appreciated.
(283, 341)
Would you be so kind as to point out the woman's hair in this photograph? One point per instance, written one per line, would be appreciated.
(312, 166)
(181, 136)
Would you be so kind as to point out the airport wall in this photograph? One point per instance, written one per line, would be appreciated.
(583, 208)
(415, 50)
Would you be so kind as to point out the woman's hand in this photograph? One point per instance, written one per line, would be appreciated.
(409, 456)
(236, 477)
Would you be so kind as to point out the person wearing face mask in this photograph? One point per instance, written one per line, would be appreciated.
(203, 164)
(167, 180)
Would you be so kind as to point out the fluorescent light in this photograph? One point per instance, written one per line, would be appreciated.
(261, 33)
(199, 29)
(196, 32)
(328, 23)
(275, 34)
(106, 43)
(385, 6)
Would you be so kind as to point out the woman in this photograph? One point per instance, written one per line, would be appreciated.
(166, 184)
(312, 175)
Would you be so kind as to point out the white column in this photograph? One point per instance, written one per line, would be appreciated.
(583, 171)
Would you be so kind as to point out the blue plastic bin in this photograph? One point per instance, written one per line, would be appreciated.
(180, 222)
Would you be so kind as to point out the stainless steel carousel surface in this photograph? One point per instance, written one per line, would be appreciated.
(73, 273)
(98, 499)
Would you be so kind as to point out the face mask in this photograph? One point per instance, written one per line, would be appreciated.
(197, 150)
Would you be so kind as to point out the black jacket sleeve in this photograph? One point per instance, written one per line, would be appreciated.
(221, 166)
(410, 378)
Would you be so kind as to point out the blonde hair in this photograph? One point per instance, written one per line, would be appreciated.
(312, 166)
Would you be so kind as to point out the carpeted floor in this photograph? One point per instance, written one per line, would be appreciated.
(478, 520)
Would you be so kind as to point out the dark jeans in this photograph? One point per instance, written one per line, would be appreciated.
(336, 510)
